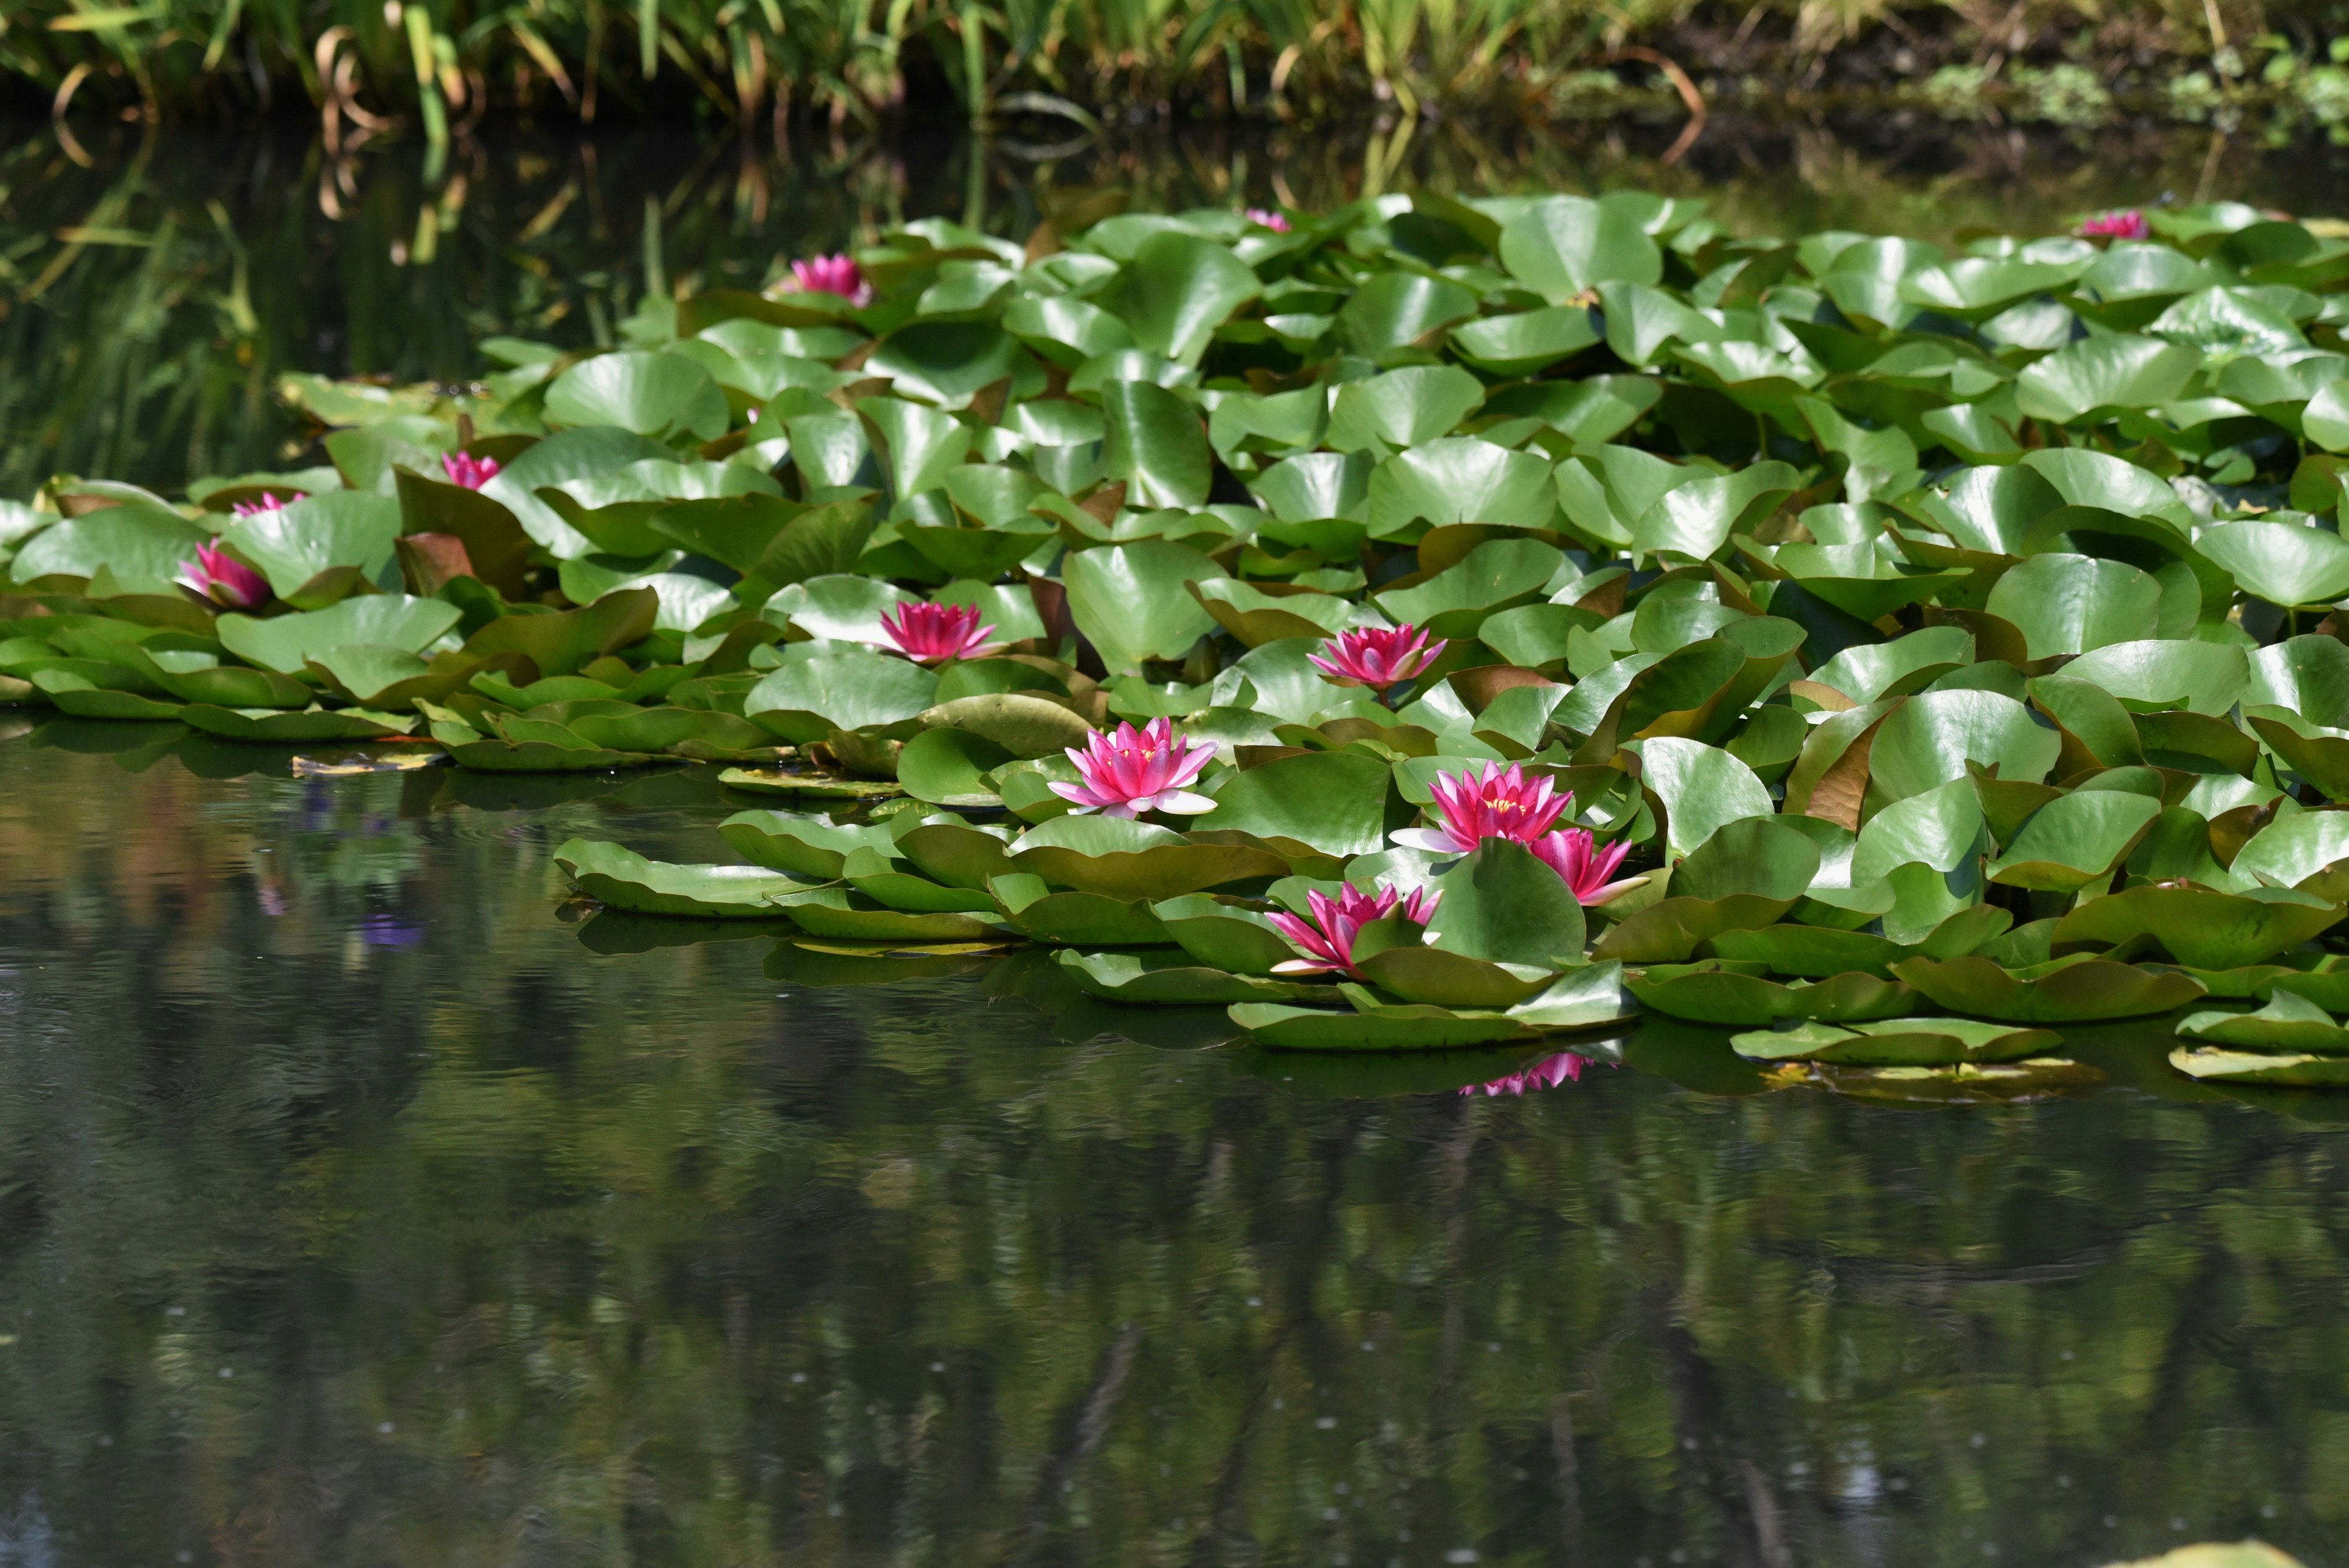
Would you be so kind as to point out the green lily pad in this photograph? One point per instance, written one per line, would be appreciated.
(271, 726)
(2216, 1065)
(2075, 990)
(1903, 1042)
(1711, 992)
(2289, 1024)
(843, 912)
(884, 878)
(284, 643)
(1078, 919)
(1135, 860)
(1589, 998)
(1168, 978)
(2200, 928)
(838, 686)
(804, 845)
(624, 880)
(1224, 933)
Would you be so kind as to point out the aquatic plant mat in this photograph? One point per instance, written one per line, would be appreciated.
(1434, 625)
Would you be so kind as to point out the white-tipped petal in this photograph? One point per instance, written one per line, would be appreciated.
(1433, 840)
(1186, 803)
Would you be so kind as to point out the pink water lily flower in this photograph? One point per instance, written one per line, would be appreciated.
(1574, 855)
(463, 468)
(1327, 941)
(2121, 224)
(1566, 1067)
(932, 634)
(220, 579)
(1267, 218)
(270, 502)
(1496, 802)
(837, 274)
(1128, 772)
(1377, 656)
(1487, 802)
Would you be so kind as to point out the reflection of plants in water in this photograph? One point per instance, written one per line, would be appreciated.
(497, 1240)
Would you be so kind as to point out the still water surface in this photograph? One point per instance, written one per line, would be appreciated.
(362, 1204)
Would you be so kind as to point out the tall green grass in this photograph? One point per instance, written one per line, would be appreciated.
(437, 62)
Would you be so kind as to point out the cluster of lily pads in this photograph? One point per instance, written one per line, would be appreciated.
(1416, 626)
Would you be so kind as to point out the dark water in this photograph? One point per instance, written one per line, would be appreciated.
(152, 292)
(361, 1205)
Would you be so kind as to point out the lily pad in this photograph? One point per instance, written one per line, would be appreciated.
(1135, 860)
(1168, 977)
(2075, 990)
(1905, 1042)
(622, 879)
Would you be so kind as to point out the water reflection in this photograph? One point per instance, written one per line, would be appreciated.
(521, 1238)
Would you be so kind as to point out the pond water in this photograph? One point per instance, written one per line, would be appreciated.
(364, 1204)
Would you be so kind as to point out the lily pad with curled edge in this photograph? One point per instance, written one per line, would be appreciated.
(1589, 998)
(2218, 1064)
(1258, 613)
(1417, 972)
(2316, 752)
(1817, 952)
(2075, 840)
(2304, 849)
(948, 849)
(1131, 860)
(2287, 1025)
(1076, 919)
(624, 880)
(886, 879)
(2199, 928)
(1021, 723)
(275, 726)
(1897, 1042)
(950, 767)
(1713, 991)
(2151, 674)
(843, 912)
(804, 845)
(1225, 933)
(2075, 990)
(837, 686)
(1671, 930)
(1167, 977)
(533, 746)
(680, 731)
(195, 675)
(389, 620)
(814, 786)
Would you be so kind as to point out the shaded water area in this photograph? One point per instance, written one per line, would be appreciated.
(364, 1204)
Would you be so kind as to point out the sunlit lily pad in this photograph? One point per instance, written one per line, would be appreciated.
(1902, 1042)
(622, 879)
(1132, 859)
(2288, 1025)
